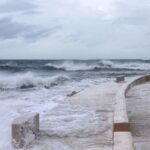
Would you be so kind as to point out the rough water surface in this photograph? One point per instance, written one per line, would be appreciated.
(42, 85)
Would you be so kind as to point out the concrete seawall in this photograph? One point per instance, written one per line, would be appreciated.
(121, 121)
(106, 99)
(137, 81)
(121, 118)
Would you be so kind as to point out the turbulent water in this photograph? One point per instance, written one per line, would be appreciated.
(22, 74)
(38, 85)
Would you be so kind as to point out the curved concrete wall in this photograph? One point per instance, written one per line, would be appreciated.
(122, 136)
(121, 122)
(137, 81)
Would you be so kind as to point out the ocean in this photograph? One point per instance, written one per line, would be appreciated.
(40, 85)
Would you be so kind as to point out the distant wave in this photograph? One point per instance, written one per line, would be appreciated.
(30, 81)
(133, 66)
(7, 67)
(98, 65)
(74, 66)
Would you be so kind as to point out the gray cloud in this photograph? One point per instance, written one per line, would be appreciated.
(17, 5)
(134, 13)
(108, 28)
(10, 30)
(40, 33)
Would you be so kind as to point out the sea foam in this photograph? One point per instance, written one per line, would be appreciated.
(29, 80)
(72, 66)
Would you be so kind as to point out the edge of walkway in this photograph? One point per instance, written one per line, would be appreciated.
(122, 135)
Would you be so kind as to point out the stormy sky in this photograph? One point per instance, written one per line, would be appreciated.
(74, 29)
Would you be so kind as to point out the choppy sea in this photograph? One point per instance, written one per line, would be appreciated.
(37, 85)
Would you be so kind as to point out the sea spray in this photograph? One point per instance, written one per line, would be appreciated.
(29, 80)
(42, 85)
(79, 66)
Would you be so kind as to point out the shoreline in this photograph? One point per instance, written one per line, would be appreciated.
(85, 115)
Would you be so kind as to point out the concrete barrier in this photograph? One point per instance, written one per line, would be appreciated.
(123, 141)
(122, 136)
(25, 129)
(137, 81)
(120, 78)
(121, 122)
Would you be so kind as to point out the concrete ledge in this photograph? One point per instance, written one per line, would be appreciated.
(120, 78)
(25, 129)
(137, 81)
(121, 122)
(122, 136)
(120, 113)
(123, 141)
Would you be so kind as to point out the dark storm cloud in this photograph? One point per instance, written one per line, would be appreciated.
(17, 5)
(10, 30)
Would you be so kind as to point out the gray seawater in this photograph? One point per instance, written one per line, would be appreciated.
(39, 85)
(30, 74)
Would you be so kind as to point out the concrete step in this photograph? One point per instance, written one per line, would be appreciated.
(123, 141)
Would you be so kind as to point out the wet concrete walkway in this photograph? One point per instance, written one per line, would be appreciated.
(138, 107)
(81, 122)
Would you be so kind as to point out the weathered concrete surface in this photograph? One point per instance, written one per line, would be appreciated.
(25, 129)
(70, 143)
(121, 122)
(101, 97)
(78, 128)
(138, 107)
(83, 122)
(142, 145)
(123, 141)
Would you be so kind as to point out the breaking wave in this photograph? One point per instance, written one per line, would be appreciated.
(28, 80)
(75, 65)
(79, 66)
(98, 65)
